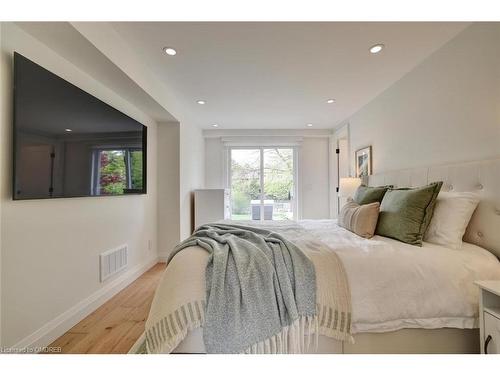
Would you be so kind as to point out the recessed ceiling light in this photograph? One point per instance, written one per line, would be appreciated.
(169, 51)
(309, 125)
(215, 125)
(201, 102)
(68, 130)
(330, 101)
(377, 48)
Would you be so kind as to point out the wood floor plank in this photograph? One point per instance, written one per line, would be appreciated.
(116, 325)
(126, 341)
(68, 340)
(118, 300)
(105, 331)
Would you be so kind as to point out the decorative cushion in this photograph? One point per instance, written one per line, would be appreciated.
(452, 214)
(405, 213)
(366, 194)
(359, 219)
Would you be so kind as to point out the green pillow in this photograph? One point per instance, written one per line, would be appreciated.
(366, 194)
(406, 213)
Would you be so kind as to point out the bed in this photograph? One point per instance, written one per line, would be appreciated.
(405, 299)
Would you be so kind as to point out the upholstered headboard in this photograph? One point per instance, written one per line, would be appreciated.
(482, 177)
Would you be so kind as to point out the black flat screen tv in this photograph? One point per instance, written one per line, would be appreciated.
(68, 143)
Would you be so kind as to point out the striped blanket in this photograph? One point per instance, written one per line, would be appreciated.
(179, 305)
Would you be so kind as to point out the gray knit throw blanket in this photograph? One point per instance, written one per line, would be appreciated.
(260, 287)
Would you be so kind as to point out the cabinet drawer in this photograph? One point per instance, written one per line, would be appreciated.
(492, 329)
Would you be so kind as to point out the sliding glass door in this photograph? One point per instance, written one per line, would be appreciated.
(245, 172)
(262, 182)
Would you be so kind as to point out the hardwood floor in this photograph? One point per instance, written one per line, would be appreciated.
(115, 326)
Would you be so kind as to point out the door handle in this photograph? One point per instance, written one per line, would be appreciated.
(486, 343)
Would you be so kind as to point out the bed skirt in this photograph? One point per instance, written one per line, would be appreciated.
(404, 341)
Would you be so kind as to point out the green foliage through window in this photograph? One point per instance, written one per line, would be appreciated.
(136, 169)
(114, 169)
(278, 173)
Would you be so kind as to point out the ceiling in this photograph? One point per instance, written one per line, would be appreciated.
(279, 75)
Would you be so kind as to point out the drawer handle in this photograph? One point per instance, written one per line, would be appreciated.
(488, 339)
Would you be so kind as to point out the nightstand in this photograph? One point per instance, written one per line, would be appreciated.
(489, 316)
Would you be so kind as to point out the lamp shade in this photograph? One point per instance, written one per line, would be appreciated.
(348, 186)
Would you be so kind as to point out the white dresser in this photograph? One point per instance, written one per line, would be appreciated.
(211, 205)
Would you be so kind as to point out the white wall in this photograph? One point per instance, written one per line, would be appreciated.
(313, 166)
(168, 188)
(192, 173)
(314, 194)
(214, 163)
(50, 247)
(447, 109)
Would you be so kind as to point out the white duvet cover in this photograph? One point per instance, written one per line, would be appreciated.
(395, 285)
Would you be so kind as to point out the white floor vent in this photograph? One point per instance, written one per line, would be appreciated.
(113, 261)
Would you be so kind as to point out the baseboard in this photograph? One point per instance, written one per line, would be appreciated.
(61, 324)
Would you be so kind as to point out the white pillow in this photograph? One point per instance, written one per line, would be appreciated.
(452, 214)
